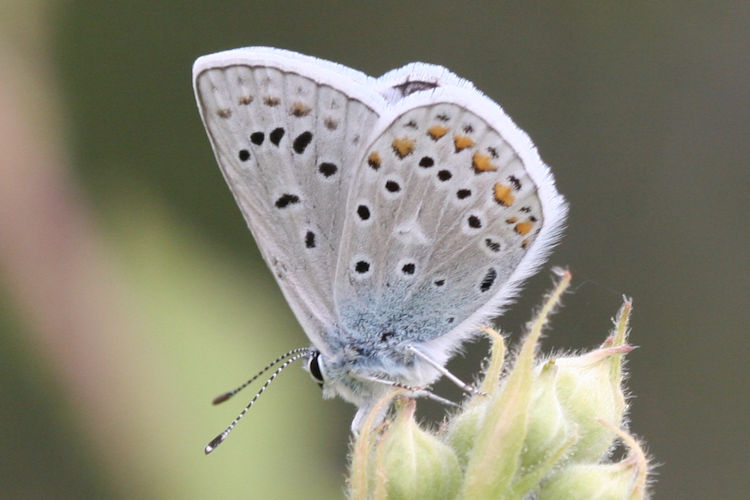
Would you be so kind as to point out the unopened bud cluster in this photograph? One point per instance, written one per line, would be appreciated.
(544, 428)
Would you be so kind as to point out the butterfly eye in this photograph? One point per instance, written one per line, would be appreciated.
(314, 366)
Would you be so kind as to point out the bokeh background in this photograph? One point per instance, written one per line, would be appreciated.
(131, 292)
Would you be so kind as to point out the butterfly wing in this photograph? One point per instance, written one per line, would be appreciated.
(450, 210)
(287, 131)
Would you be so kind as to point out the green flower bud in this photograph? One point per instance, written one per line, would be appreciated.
(626, 479)
(589, 387)
(463, 428)
(549, 428)
(414, 463)
(590, 481)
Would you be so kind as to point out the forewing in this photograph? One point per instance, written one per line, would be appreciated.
(451, 208)
(288, 132)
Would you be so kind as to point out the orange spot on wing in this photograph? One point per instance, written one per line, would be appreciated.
(437, 131)
(511, 220)
(523, 228)
(504, 195)
(374, 160)
(462, 142)
(481, 163)
(299, 110)
(403, 146)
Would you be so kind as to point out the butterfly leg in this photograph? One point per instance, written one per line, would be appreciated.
(460, 383)
(417, 391)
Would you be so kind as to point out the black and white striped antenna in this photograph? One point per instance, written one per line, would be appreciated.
(288, 358)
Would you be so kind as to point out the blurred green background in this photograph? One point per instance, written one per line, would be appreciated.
(131, 292)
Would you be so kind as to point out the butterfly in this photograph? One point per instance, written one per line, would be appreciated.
(397, 214)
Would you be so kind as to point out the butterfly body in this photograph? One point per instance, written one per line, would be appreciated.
(397, 214)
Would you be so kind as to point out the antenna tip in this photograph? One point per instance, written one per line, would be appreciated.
(221, 398)
(214, 443)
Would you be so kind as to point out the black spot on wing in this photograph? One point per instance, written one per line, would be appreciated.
(327, 169)
(362, 266)
(257, 138)
(310, 239)
(488, 280)
(426, 162)
(492, 245)
(474, 222)
(363, 211)
(287, 199)
(276, 135)
(301, 142)
(409, 268)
